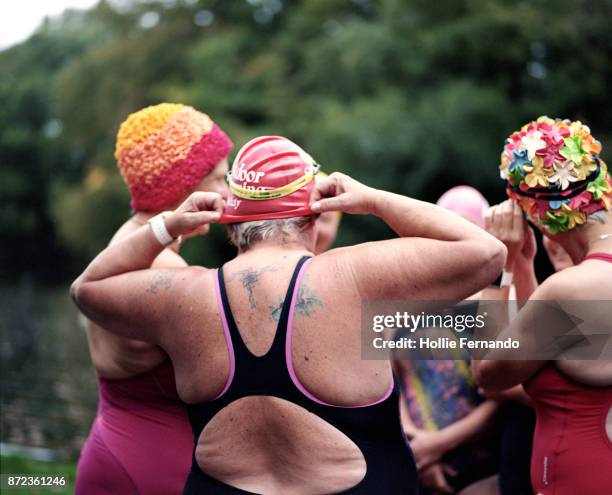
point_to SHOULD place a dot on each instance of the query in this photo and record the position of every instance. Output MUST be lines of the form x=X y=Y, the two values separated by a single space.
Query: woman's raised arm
x=121 y=293
x=438 y=255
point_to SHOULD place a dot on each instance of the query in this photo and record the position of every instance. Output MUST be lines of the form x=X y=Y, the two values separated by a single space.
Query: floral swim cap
x=554 y=171
x=164 y=151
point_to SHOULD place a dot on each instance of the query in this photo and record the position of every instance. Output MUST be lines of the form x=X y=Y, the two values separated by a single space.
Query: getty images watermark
x=538 y=330
x=410 y=323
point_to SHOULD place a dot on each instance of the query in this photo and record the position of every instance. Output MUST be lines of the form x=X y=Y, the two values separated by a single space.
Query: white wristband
x=507 y=278
x=158 y=226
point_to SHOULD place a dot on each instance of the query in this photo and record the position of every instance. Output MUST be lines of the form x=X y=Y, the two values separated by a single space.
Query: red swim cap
x=271 y=178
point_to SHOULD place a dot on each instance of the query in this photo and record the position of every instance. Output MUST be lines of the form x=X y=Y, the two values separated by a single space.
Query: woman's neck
x=586 y=240
x=276 y=246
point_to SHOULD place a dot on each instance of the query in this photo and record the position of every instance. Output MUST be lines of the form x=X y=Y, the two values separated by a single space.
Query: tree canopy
x=413 y=96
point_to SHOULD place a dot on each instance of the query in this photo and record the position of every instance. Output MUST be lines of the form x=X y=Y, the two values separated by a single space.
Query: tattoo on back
x=249 y=279
x=305 y=302
x=277 y=310
x=162 y=279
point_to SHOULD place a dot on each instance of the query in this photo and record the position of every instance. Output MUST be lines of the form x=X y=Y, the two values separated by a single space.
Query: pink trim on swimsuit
x=228 y=337
x=599 y=256
x=289 y=358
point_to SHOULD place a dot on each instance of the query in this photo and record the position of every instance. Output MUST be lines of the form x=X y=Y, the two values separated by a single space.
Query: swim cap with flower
x=553 y=169
x=164 y=151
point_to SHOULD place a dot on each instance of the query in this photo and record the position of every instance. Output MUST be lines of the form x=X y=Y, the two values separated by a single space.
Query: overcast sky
x=19 y=18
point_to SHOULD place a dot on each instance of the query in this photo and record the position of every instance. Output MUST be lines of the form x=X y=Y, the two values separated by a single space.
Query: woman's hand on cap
x=339 y=192
x=194 y=214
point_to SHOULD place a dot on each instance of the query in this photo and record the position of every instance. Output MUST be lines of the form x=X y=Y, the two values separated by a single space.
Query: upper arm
x=531 y=328
x=137 y=304
x=420 y=268
x=504 y=374
x=169 y=259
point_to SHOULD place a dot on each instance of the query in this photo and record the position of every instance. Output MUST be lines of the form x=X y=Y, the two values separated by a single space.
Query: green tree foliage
x=413 y=96
x=32 y=157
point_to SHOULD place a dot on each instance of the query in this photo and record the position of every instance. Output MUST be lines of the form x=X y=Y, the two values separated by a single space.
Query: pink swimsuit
x=141 y=441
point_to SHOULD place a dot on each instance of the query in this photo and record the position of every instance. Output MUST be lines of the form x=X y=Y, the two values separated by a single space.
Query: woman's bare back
x=298 y=451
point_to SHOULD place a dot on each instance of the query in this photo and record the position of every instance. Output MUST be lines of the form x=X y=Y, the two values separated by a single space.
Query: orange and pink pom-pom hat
x=164 y=151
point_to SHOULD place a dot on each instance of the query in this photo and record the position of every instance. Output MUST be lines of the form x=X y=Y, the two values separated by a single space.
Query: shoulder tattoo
x=306 y=302
x=161 y=280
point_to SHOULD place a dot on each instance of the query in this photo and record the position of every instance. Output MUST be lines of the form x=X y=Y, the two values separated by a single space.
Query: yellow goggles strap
x=279 y=192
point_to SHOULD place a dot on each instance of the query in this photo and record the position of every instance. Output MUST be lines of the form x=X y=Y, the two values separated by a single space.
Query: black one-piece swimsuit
x=374 y=428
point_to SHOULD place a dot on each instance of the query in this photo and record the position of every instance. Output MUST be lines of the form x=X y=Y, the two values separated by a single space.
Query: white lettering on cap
x=247 y=175
x=233 y=202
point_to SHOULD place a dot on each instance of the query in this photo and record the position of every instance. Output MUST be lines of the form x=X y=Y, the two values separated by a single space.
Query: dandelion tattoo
x=249 y=279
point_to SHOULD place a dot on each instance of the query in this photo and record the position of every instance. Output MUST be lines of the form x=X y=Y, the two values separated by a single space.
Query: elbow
x=77 y=291
x=477 y=372
x=490 y=375
x=493 y=253
x=84 y=297
x=74 y=290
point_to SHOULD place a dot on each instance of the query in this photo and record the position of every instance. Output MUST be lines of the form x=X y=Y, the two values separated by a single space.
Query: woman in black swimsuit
x=267 y=349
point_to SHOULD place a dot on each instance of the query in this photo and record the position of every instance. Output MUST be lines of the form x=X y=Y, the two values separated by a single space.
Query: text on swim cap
x=247 y=175
x=261 y=193
x=233 y=202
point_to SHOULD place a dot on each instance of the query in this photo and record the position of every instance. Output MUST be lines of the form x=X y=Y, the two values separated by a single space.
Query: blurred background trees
x=414 y=96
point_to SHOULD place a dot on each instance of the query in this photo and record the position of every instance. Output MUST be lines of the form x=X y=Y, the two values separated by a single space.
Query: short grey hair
x=601 y=216
x=245 y=234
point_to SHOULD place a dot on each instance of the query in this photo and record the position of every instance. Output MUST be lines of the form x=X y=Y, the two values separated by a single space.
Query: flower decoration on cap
x=553 y=169
x=164 y=151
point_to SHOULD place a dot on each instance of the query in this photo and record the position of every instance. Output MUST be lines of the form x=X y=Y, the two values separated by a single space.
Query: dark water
x=47 y=383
